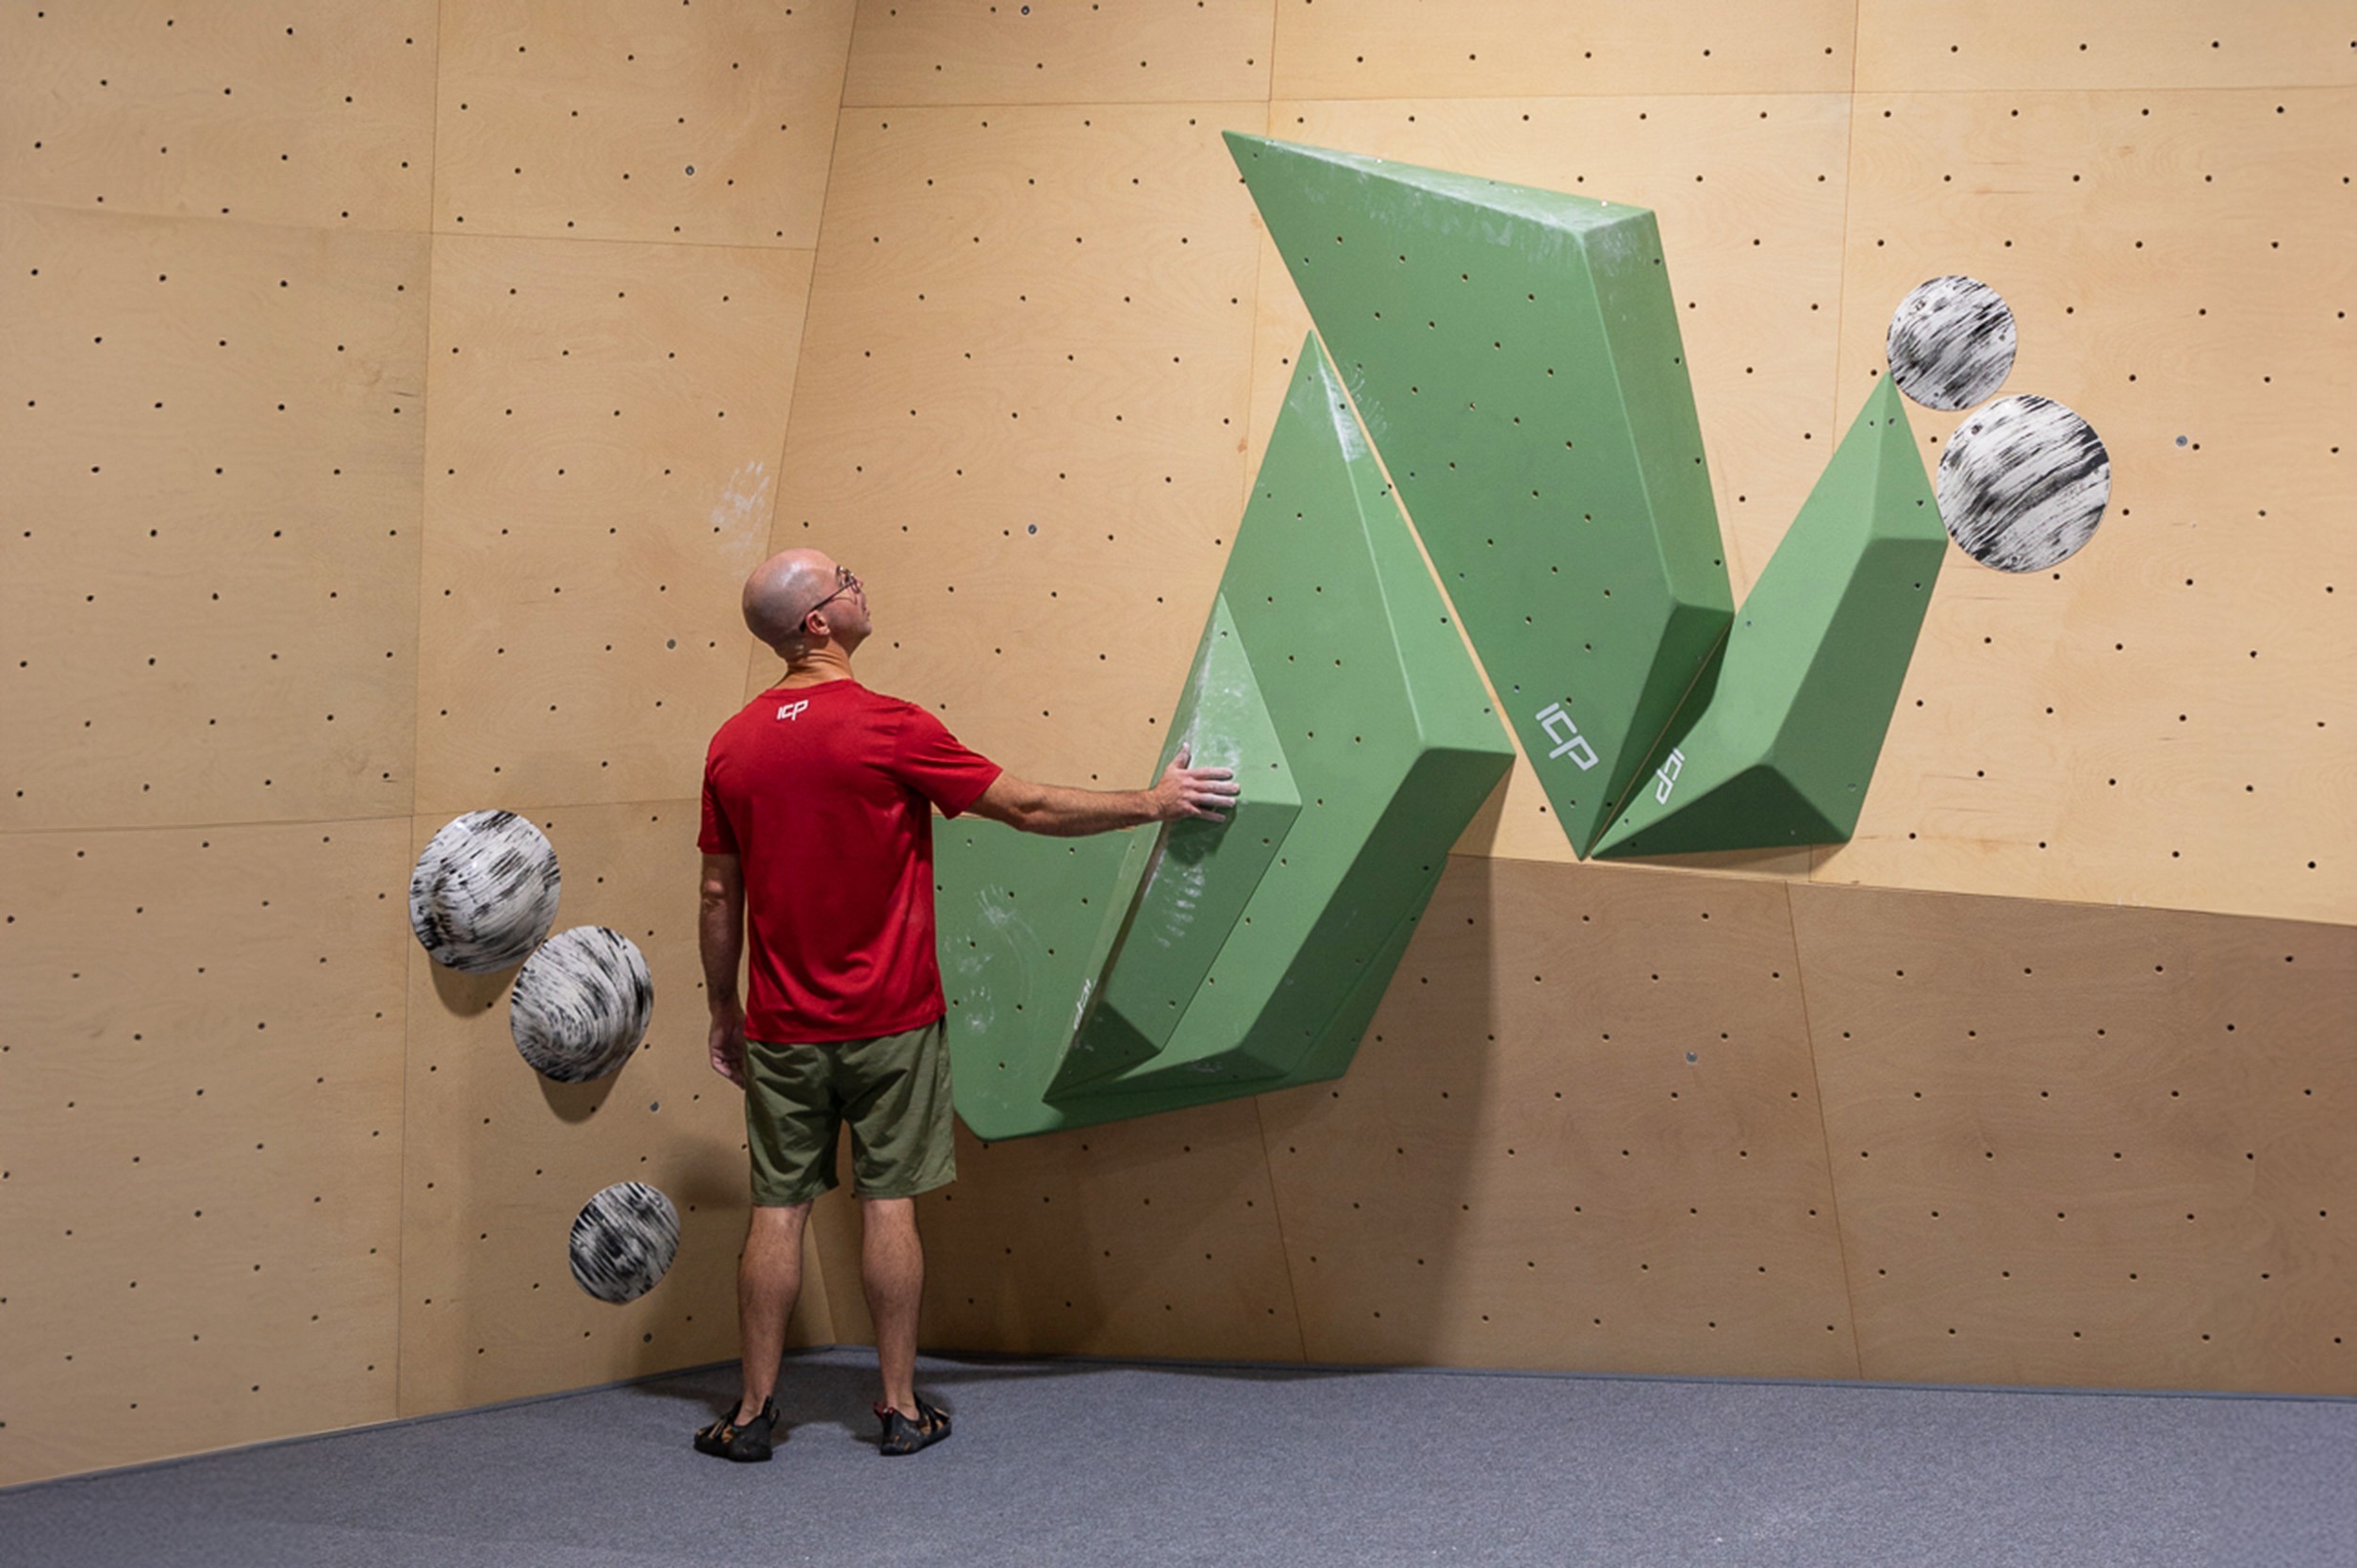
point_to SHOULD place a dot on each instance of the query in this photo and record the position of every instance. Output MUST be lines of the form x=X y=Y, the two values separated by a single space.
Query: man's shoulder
x=882 y=702
x=739 y=727
x=740 y=719
x=850 y=697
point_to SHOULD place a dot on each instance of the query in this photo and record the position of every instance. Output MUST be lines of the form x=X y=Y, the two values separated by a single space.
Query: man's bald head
x=778 y=594
x=784 y=589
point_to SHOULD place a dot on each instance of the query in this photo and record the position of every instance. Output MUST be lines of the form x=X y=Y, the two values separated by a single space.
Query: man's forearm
x=721 y=934
x=1061 y=812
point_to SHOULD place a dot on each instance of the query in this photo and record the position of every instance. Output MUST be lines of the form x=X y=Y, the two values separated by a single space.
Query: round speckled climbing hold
x=623 y=1242
x=1951 y=342
x=2022 y=484
x=484 y=893
x=581 y=1004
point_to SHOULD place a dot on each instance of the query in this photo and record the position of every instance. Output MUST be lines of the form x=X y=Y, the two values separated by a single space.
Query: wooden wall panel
x=2089 y=1147
x=1583 y=1132
x=605 y=433
x=1058 y=52
x=1157 y=1237
x=500 y=1160
x=268 y=111
x=2166 y=718
x=639 y=118
x=1529 y=48
x=1021 y=414
x=1930 y=46
x=1030 y=417
x=1749 y=195
x=199 y=1185
x=208 y=551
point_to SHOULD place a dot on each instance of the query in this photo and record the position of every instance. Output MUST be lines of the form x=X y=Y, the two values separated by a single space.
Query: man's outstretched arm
x=1181 y=792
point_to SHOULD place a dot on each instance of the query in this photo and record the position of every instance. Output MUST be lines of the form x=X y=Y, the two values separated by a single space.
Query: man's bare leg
x=891 y=1268
x=768 y=1277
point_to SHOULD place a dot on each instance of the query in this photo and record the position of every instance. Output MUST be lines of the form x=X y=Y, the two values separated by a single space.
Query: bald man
x=817 y=819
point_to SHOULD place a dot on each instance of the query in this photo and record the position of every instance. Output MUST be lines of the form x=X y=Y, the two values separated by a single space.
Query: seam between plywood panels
x=417 y=750
x=1825 y=1136
x=757 y=655
x=1849 y=186
x=1276 y=1208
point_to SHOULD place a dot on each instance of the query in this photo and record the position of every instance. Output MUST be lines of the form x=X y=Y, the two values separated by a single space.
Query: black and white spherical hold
x=623 y=1242
x=484 y=891
x=1951 y=342
x=581 y=1004
x=2022 y=484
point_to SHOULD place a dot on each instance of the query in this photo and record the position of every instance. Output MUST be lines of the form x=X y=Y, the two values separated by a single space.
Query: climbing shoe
x=748 y=1444
x=901 y=1435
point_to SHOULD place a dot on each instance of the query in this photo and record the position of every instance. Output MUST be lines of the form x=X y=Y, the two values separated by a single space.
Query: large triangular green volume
x=1515 y=356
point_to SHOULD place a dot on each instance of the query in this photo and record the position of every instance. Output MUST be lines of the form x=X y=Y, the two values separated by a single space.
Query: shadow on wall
x=1172 y=1235
x=1583 y=1133
x=463 y=996
x=466 y=996
x=1377 y=1175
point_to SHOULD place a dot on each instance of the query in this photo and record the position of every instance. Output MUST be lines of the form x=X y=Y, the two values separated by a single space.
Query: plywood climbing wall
x=212 y=342
x=2078 y=1146
x=2158 y=720
x=301 y=306
x=1584 y=1132
x=599 y=477
x=213 y=532
x=1021 y=414
x=200 y=1216
x=972 y=298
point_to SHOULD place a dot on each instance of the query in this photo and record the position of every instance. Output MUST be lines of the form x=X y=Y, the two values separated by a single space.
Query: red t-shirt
x=826 y=792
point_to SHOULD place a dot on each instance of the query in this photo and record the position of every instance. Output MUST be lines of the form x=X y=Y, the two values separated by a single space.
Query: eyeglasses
x=847 y=580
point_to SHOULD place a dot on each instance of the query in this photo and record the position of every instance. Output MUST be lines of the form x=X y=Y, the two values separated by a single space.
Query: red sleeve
x=717 y=837
x=928 y=758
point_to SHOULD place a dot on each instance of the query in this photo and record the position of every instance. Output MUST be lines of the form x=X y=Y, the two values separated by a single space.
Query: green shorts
x=893 y=1090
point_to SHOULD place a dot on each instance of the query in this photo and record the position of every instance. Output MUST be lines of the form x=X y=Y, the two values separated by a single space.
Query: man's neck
x=816 y=668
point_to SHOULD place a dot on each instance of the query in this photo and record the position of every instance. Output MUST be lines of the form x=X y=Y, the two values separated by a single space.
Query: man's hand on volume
x=728 y=1045
x=1208 y=793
